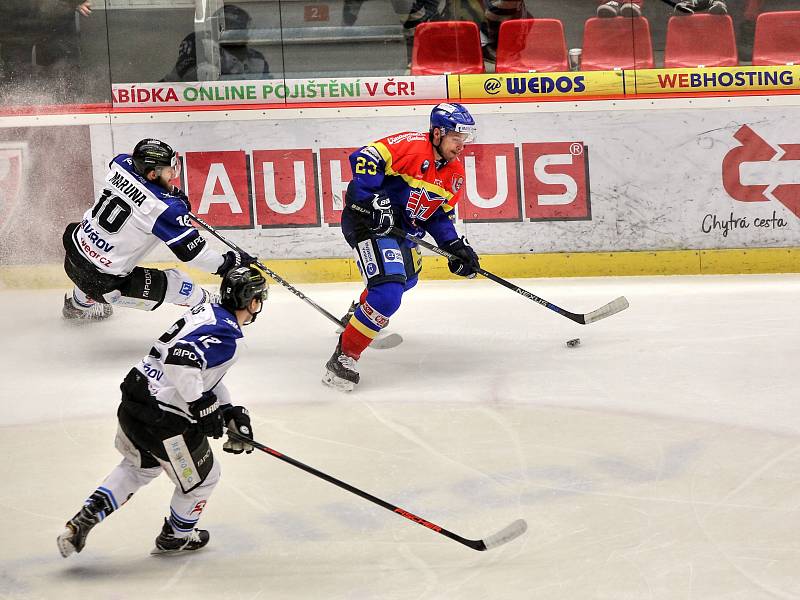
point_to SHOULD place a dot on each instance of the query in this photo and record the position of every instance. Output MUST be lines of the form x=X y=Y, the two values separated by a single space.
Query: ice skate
x=73 y=539
x=340 y=370
x=608 y=9
x=168 y=543
x=94 y=312
x=717 y=7
x=630 y=10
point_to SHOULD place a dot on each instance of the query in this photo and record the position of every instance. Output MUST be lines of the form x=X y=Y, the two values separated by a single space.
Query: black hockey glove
x=382 y=215
x=181 y=195
x=208 y=415
x=238 y=420
x=233 y=259
x=466 y=263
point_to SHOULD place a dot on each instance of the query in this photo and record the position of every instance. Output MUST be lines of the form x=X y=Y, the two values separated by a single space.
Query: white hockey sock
x=181 y=290
x=79 y=299
x=121 y=483
x=185 y=509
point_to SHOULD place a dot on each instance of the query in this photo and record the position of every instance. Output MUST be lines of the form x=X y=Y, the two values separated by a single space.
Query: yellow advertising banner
x=697 y=81
x=575 y=85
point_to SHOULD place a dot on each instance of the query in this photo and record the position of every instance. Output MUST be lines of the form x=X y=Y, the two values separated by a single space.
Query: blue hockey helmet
x=454 y=117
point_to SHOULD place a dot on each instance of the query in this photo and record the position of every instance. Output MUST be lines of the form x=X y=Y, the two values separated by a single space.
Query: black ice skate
x=95 y=312
x=73 y=539
x=168 y=543
x=340 y=370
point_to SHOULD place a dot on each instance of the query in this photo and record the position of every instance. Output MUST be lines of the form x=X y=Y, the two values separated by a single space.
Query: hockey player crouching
x=411 y=181
x=172 y=401
x=137 y=208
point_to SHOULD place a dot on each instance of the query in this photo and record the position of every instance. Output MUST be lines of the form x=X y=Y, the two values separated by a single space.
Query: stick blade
x=385 y=342
x=507 y=534
x=607 y=310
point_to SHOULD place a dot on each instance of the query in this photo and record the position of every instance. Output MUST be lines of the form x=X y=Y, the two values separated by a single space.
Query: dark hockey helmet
x=152 y=154
x=451 y=116
x=240 y=286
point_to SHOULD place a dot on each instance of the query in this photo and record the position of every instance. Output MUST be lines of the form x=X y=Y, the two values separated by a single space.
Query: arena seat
x=617 y=43
x=446 y=47
x=700 y=40
x=531 y=45
x=777 y=38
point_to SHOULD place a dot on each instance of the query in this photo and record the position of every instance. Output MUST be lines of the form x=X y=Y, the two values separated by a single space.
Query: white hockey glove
x=238 y=420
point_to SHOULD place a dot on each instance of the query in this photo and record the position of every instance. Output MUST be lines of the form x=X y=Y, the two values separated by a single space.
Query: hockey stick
x=266 y=270
x=389 y=340
x=604 y=311
x=508 y=533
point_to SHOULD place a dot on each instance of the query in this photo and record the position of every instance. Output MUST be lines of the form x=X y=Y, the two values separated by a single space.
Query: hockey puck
x=573 y=343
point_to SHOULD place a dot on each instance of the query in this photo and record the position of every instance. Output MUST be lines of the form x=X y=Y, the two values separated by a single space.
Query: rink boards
x=672 y=186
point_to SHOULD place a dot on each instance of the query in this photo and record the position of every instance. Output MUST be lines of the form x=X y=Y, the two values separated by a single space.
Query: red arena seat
x=700 y=40
x=446 y=47
x=531 y=45
x=617 y=43
x=777 y=40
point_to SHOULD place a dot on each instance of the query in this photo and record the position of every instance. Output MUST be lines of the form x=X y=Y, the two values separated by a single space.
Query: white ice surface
x=658 y=460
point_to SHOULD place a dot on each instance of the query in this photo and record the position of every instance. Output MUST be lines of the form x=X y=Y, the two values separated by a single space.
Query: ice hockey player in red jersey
x=173 y=400
x=138 y=208
x=411 y=181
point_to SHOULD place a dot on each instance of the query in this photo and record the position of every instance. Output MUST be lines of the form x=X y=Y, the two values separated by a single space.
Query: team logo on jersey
x=198 y=508
x=420 y=205
x=186 y=289
x=425 y=164
x=12 y=179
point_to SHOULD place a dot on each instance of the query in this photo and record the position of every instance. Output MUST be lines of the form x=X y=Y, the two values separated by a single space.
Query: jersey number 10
x=111 y=212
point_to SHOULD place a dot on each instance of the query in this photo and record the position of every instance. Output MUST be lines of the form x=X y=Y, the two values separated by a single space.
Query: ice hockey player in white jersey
x=172 y=401
x=138 y=208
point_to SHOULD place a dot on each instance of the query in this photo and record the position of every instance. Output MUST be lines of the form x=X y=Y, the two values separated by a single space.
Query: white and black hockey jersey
x=131 y=217
x=191 y=358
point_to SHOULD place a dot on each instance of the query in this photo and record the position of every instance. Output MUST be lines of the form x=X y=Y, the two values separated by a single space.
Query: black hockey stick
x=266 y=270
x=604 y=311
x=390 y=340
x=511 y=532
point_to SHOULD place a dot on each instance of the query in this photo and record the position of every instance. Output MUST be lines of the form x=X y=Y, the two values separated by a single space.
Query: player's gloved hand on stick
x=382 y=215
x=206 y=412
x=466 y=263
x=238 y=420
x=233 y=259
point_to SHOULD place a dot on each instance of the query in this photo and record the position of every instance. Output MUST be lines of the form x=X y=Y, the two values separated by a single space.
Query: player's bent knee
x=385 y=298
x=143 y=289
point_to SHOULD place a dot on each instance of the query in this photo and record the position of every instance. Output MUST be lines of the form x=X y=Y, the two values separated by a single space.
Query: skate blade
x=156 y=551
x=337 y=383
x=65 y=547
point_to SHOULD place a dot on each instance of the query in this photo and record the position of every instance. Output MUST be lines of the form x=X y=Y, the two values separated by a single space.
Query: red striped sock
x=354 y=342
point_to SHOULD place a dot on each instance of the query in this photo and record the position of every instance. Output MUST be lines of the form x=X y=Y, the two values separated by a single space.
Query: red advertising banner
x=218 y=188
x=285 y=188
x=492 y=192
x=556 y=180
x=334 y=167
